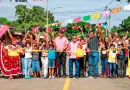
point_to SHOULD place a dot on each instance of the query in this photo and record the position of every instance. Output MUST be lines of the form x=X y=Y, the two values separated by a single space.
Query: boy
x=35 y=62
x=121 y=63
x=51 y=61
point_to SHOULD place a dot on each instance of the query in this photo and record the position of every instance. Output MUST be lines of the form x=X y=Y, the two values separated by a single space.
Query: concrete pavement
x=58 y=84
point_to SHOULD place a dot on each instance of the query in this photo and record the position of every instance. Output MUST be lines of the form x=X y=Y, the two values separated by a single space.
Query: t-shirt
x=121 y=55
x=103 y=53
x=51 y=54
x=112 y=56
x=28 y=54
x=84 y=46
x=93 y=43
x=35 y=56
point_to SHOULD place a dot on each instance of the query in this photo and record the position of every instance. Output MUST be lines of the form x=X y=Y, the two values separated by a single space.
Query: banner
x=116 y=10
x=86 y=18
x=106 y=13
x=3 y=29
x=77 y=19
x=96 y=16
x=35 y=29
x=127 y=7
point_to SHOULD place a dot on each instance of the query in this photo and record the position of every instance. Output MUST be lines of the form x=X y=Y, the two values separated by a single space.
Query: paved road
x=58 y=84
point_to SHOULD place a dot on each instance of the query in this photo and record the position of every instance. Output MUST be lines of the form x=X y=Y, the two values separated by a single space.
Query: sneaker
x=28 y=77
x=64 y=76
x=86 y=74
x=34 y=77
x=49 y=77
x=45 y=77
x=58 y=76
x=53 y=76
x=90 y=77
x=77 y=77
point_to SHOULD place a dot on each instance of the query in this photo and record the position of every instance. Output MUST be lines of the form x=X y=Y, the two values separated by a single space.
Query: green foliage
x=71 y=31
x=122 y=28
x=30 y=17
x=4 y=21
x=122 y=0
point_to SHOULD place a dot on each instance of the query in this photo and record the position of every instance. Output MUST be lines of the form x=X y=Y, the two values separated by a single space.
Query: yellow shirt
x=112 y=56
x=14 y=51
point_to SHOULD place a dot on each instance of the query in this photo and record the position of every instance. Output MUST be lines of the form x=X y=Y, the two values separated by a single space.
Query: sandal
x=11 y=77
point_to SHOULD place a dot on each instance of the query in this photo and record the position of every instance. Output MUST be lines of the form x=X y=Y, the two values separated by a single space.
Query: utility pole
x=106 y=23
x=109 y=21
x=47 y=14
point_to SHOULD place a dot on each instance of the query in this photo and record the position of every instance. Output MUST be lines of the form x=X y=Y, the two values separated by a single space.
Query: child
x=121 y=61
x=28 y=59
x=112 y=59
x=104 y=59
x=44 y=59
x=35 y=62
x=83 y=61
x=51 y=61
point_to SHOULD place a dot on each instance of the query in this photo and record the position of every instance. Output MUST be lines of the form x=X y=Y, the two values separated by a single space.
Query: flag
x=104 y=24
x=116 y=10
x=63 y=28
x=88 y=26
x=86 y=18
x=106 y=13
x=99 y=24
x=37 y=0
x=35 y=29
x=127 y=7
x=76 y=27
x=95 y=15
x=3 y=29
x=69 y=21
x=49 y=29
x=77 y=19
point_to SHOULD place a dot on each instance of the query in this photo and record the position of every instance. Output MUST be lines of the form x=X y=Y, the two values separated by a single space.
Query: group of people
x=46 y=57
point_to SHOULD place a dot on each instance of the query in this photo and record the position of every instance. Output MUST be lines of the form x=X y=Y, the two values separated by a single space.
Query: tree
x=122 y=28
x=126 y=0
x=30 y=17
x=4 y=21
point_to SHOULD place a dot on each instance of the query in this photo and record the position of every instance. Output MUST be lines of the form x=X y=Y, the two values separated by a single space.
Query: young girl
x=104 y=59
x=51 y=61
x=44 y=59
x=28 y=59
x=35 y=62
x=112 y=59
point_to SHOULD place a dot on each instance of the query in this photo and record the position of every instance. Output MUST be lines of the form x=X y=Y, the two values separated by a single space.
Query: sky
x=71 y=9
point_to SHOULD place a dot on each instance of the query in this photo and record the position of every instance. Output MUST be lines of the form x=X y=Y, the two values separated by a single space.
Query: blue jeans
x=93 y=63
x=23 y=66
x=27 y=63
x=112 y=66
x=104 y=66
x=71 y=67
x=35 y=66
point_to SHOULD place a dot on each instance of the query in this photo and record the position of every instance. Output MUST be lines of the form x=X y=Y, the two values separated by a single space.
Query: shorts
x=35 y=66
x=51 y=63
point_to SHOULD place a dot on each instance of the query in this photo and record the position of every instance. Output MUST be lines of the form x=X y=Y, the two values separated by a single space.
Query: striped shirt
x=93 y=43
